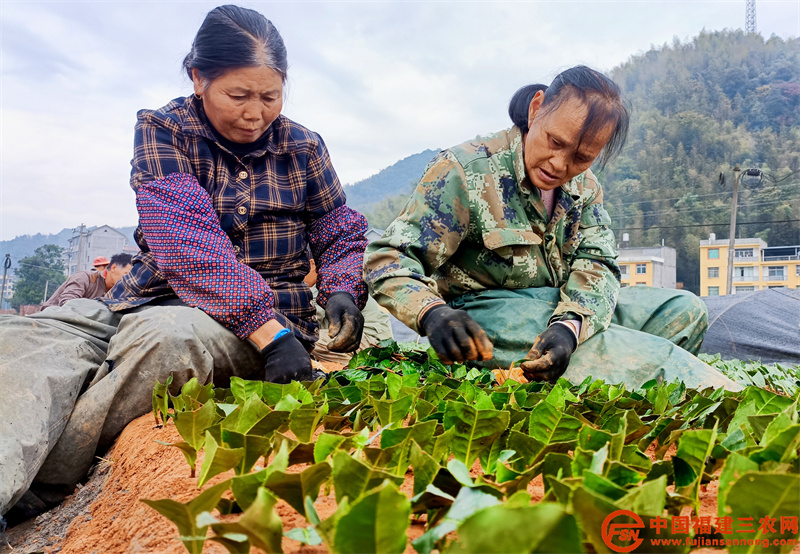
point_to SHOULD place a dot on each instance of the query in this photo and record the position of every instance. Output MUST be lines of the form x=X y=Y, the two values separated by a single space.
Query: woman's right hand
x=286 y=360
x=454 y=335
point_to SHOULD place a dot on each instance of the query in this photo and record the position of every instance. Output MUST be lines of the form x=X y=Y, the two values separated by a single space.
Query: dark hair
x=599 y=93
x=232 y=37
x=120 y=260
x=520 y=104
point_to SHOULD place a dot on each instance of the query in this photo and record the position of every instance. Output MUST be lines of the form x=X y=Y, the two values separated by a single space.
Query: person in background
x=100 y=263
x=504 y=252
x=377 y=327
x=231 y=195
x=92 y=284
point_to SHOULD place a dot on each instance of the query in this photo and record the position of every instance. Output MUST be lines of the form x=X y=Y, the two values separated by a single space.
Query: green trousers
x=654 y=334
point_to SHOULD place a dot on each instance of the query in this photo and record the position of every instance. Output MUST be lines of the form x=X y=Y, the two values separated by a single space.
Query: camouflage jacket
x=475 y=222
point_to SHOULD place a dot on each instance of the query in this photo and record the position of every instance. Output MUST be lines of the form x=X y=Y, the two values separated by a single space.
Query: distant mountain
x=397 y=179
x=24 y=245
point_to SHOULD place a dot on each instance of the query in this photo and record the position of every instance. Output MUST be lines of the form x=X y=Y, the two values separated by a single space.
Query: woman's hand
x=286 y=360
x=550 y=354
x=346 y=322
x=454 y=335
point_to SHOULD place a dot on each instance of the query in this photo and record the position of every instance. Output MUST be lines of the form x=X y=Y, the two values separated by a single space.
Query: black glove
x=550 y=354
x=454 y=335
x=286 y=360
x=346 y=322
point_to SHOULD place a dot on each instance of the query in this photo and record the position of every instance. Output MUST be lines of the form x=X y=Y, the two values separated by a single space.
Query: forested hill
x=699 y=108
x=378 y=195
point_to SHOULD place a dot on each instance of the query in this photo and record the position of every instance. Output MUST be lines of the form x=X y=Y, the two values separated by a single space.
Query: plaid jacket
x=229 y=234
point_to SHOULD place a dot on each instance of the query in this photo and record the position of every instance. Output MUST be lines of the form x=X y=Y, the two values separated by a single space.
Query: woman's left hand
x=346 y=322
x=550 y=354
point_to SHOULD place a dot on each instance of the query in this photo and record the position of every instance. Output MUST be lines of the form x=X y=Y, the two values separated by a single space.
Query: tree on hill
x=399 y=178
x=698 y=109
x=44 y=268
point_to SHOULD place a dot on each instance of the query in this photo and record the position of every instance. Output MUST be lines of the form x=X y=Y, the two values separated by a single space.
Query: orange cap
x=100 y=260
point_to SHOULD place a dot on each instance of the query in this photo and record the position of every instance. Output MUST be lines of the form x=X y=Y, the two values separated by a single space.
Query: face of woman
x=242 y=103
x=552 y=153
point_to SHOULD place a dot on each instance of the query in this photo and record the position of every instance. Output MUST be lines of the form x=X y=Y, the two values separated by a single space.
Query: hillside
x=699 y=108
x=396 y=180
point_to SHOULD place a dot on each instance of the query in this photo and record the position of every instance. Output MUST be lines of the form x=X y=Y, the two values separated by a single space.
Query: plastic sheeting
x=757 y=325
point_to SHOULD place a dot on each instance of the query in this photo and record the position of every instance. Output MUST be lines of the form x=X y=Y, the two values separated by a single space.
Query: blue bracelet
x=280 y=333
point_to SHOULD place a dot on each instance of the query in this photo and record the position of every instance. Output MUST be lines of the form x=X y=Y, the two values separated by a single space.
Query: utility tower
x=750 y=17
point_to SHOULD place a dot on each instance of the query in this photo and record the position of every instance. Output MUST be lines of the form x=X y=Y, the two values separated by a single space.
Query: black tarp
x=756 y=325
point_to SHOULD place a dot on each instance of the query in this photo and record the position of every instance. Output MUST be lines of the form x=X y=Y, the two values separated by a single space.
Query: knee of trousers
x=161 y=341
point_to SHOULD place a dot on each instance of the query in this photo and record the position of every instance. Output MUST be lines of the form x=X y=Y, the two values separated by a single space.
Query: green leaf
x=304 y=421
x=601 y=485
x=466 y=503
x=192 y=425
x=295 y=488
x=260 y=523
x=287 y=403
x=524 y=529
x=475 y=430
x=392 y=411
x=242 y=390
x=760 y=496
x=161 y=400
x=394 y=383
x=526 y=447
x=327 y=444
x=648 y=498
x=184 y=516
x=782 y=448
x=757 y=401
x=253 y=447
x=690 y=459
x=305 y=535
x=270 y=423
x=376 y=523
x=425 y=468
x=735 y=467
x=421 y=433
x=253 y=411
x=193 y=390
x=548 y=424
x=218 y=459
x=352 y=477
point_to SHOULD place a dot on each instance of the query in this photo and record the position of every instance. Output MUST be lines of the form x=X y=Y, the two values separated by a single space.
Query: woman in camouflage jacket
x=504 y=252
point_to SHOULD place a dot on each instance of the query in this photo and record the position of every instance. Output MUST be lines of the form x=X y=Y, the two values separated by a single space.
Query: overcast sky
x=378 y=80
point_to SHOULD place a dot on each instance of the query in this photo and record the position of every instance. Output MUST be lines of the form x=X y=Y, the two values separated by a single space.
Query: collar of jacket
x=196 y=123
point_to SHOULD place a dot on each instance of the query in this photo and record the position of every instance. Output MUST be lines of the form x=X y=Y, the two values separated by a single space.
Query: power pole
x=750 y=17
x=731 y=242
x=6 y=265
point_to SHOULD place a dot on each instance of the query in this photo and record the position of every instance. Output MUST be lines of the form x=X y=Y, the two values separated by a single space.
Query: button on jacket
x=229 y=233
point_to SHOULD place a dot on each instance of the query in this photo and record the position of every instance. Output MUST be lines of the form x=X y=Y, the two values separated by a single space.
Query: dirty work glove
x=550 y=354
x=346 y=322
x=454 y=335
x=286 y=360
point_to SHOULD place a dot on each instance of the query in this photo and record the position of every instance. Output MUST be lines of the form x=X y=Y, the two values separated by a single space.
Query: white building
x=88 y=243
